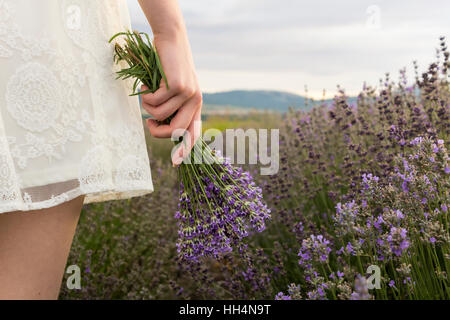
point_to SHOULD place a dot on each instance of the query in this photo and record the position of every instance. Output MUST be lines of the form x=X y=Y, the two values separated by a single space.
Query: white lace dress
x=67 y=127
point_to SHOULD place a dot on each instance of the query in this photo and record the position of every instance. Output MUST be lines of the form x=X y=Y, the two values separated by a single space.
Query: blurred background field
x=160 y=149
x=363 y=181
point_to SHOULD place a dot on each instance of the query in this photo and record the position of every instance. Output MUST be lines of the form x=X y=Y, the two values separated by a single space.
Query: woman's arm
x=184 y=93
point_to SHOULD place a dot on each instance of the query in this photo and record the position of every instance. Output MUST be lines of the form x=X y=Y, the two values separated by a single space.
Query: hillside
x=255 y=99
x=244 y=101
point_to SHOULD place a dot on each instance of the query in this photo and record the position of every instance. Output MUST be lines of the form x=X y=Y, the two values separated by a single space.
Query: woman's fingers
x=181 y=120
x=158 y=130
x=159 y=96
x=166 y=109
x=163 y=94
x=163 y=103
x=194 y=131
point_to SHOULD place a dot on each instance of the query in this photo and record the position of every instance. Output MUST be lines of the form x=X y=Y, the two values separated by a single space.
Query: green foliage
x=144 y=65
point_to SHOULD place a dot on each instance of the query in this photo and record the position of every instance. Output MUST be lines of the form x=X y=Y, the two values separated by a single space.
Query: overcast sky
x=287 y=44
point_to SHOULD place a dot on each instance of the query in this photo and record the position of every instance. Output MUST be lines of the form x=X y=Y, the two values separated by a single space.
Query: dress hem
x=90 y=197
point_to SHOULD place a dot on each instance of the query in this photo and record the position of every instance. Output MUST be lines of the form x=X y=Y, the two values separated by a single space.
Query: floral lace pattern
x=40 y=108
x=63 y=116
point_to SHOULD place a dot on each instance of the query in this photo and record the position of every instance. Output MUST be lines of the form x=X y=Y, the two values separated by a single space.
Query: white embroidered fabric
x=67 y=127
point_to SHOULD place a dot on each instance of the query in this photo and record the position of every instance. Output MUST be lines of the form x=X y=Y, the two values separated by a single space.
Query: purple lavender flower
x=378 y=222
x=399 y=214
x=219 y=205
x=314 y=249
x=282 y=296
x=319 y=293
x=361 y=291
x=350 y=249
x=398 y=241
x=369 y=179
x=435 y=148
x=416 y=141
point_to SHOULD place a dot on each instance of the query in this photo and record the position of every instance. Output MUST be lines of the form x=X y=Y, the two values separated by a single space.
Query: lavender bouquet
x=219 y=204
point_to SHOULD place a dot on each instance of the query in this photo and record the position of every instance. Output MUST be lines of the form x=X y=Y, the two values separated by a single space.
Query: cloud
x=319 y=43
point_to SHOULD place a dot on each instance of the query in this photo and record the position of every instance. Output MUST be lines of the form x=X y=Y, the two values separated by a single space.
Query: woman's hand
x=184 y=96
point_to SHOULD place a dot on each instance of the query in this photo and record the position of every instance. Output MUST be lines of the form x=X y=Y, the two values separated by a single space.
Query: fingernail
x=177 y=162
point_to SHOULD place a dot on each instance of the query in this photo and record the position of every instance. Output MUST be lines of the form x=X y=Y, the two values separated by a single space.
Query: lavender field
x=359 y=185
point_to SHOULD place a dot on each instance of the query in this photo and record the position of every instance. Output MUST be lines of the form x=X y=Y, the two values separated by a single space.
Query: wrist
x=172 y=33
